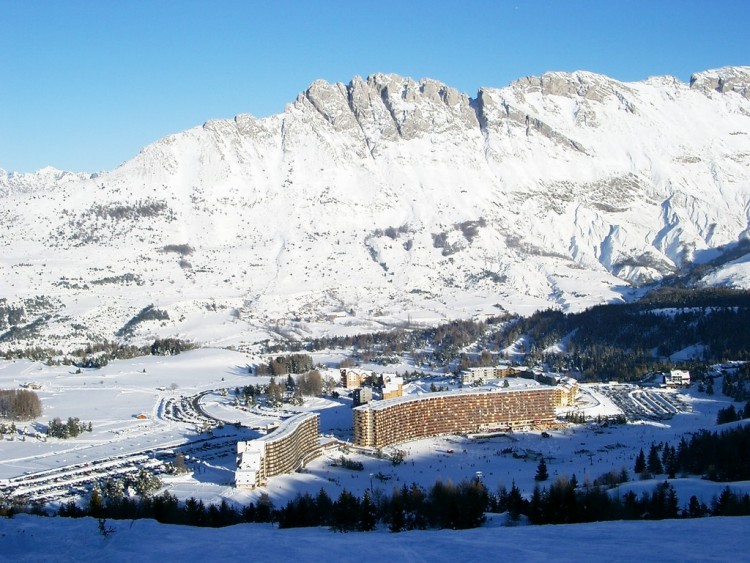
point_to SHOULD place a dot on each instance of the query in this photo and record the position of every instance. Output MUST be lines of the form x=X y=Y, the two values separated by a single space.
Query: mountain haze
x=384 y=201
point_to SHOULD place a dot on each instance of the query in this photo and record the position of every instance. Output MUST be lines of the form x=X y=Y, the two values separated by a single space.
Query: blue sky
x=87 y=84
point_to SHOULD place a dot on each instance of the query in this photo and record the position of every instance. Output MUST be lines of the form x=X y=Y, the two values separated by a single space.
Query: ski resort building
x=352 y=379
x=285 y=450
x=361 y=396
x=383 y=423
x=677 y=378
x=479 y=375
x=392 y=385
x=566 y=391
x=566 y=388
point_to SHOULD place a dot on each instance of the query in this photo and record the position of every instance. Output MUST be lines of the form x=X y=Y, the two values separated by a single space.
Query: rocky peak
x=389 y=106
x=42 y=178
x=723 y=80
x=579 y=84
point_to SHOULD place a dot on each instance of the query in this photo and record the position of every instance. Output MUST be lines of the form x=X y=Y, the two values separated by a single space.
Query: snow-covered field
x=40 y=540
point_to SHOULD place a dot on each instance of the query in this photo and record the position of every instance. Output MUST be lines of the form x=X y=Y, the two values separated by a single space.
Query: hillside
x=383 y=202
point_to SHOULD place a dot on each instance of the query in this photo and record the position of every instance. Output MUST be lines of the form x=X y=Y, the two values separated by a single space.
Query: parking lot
x=643 y=403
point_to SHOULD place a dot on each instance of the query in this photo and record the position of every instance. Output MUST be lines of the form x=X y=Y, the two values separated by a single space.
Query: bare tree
x=19 y=404
x=310 y=383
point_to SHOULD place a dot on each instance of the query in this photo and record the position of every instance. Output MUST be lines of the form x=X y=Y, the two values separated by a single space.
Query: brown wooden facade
x=398 y=420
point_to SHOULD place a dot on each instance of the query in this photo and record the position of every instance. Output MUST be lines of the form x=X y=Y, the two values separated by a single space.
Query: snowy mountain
x=381 y=202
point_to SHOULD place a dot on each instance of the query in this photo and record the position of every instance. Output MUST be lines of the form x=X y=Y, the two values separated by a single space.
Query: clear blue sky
x=86 y=84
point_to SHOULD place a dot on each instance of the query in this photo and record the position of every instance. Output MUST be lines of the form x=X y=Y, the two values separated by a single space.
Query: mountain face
x=381 y=202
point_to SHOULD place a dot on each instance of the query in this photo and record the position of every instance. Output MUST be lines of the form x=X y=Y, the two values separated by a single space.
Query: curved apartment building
x=383 y=423
x=285 y=450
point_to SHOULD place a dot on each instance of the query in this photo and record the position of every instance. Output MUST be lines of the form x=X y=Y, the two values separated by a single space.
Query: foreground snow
x=28 y=538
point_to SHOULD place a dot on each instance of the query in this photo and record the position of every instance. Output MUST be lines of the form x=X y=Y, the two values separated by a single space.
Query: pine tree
x=515 y=502
x=324 y=506
x=264 y=508
x=640 y=463
x=695 y=509
x=536 y=507
x=541 y=471
x=346 y=512
x=397 y=521
x=194 y=512
x=367 y=517
x=654 y=465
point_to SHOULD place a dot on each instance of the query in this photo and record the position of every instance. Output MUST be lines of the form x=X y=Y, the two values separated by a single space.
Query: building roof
x=380 y=405
x=287 y=426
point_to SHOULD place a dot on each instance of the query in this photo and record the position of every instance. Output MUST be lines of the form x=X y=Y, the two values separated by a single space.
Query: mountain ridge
x=384 y=200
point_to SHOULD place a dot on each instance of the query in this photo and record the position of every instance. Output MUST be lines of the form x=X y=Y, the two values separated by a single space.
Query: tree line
x=99 y=354
x=56 y=428
x=282 y=365
x=617 y=341
x=737 y=385
x=564 y=503
x=445 y=505
x=718 y=456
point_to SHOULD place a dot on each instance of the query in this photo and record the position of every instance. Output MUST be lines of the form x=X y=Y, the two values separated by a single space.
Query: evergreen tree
x=695 y=509
x=195 y=512
x=367 y=516
x=541 y=471
x=324 y=506
x=640 y=463
x=346 y=512
x=264 y=508
x=515 y=502
x=249 y=513
x=396 y=521
x=536 y=507
x=654 y=463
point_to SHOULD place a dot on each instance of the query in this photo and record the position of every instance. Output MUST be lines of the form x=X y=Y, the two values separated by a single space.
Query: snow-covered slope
x=34 y=539
x=381 y=202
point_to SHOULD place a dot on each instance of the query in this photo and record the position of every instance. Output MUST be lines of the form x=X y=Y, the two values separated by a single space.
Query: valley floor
x=164 y=391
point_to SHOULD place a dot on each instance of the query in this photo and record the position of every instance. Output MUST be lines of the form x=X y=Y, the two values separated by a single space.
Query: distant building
x=393 y=385
x=566 y=388
x=352 y=379
x=362 y=396
x=566 y=391
x=473 y=376
x=285 y=450
x=677 y=378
